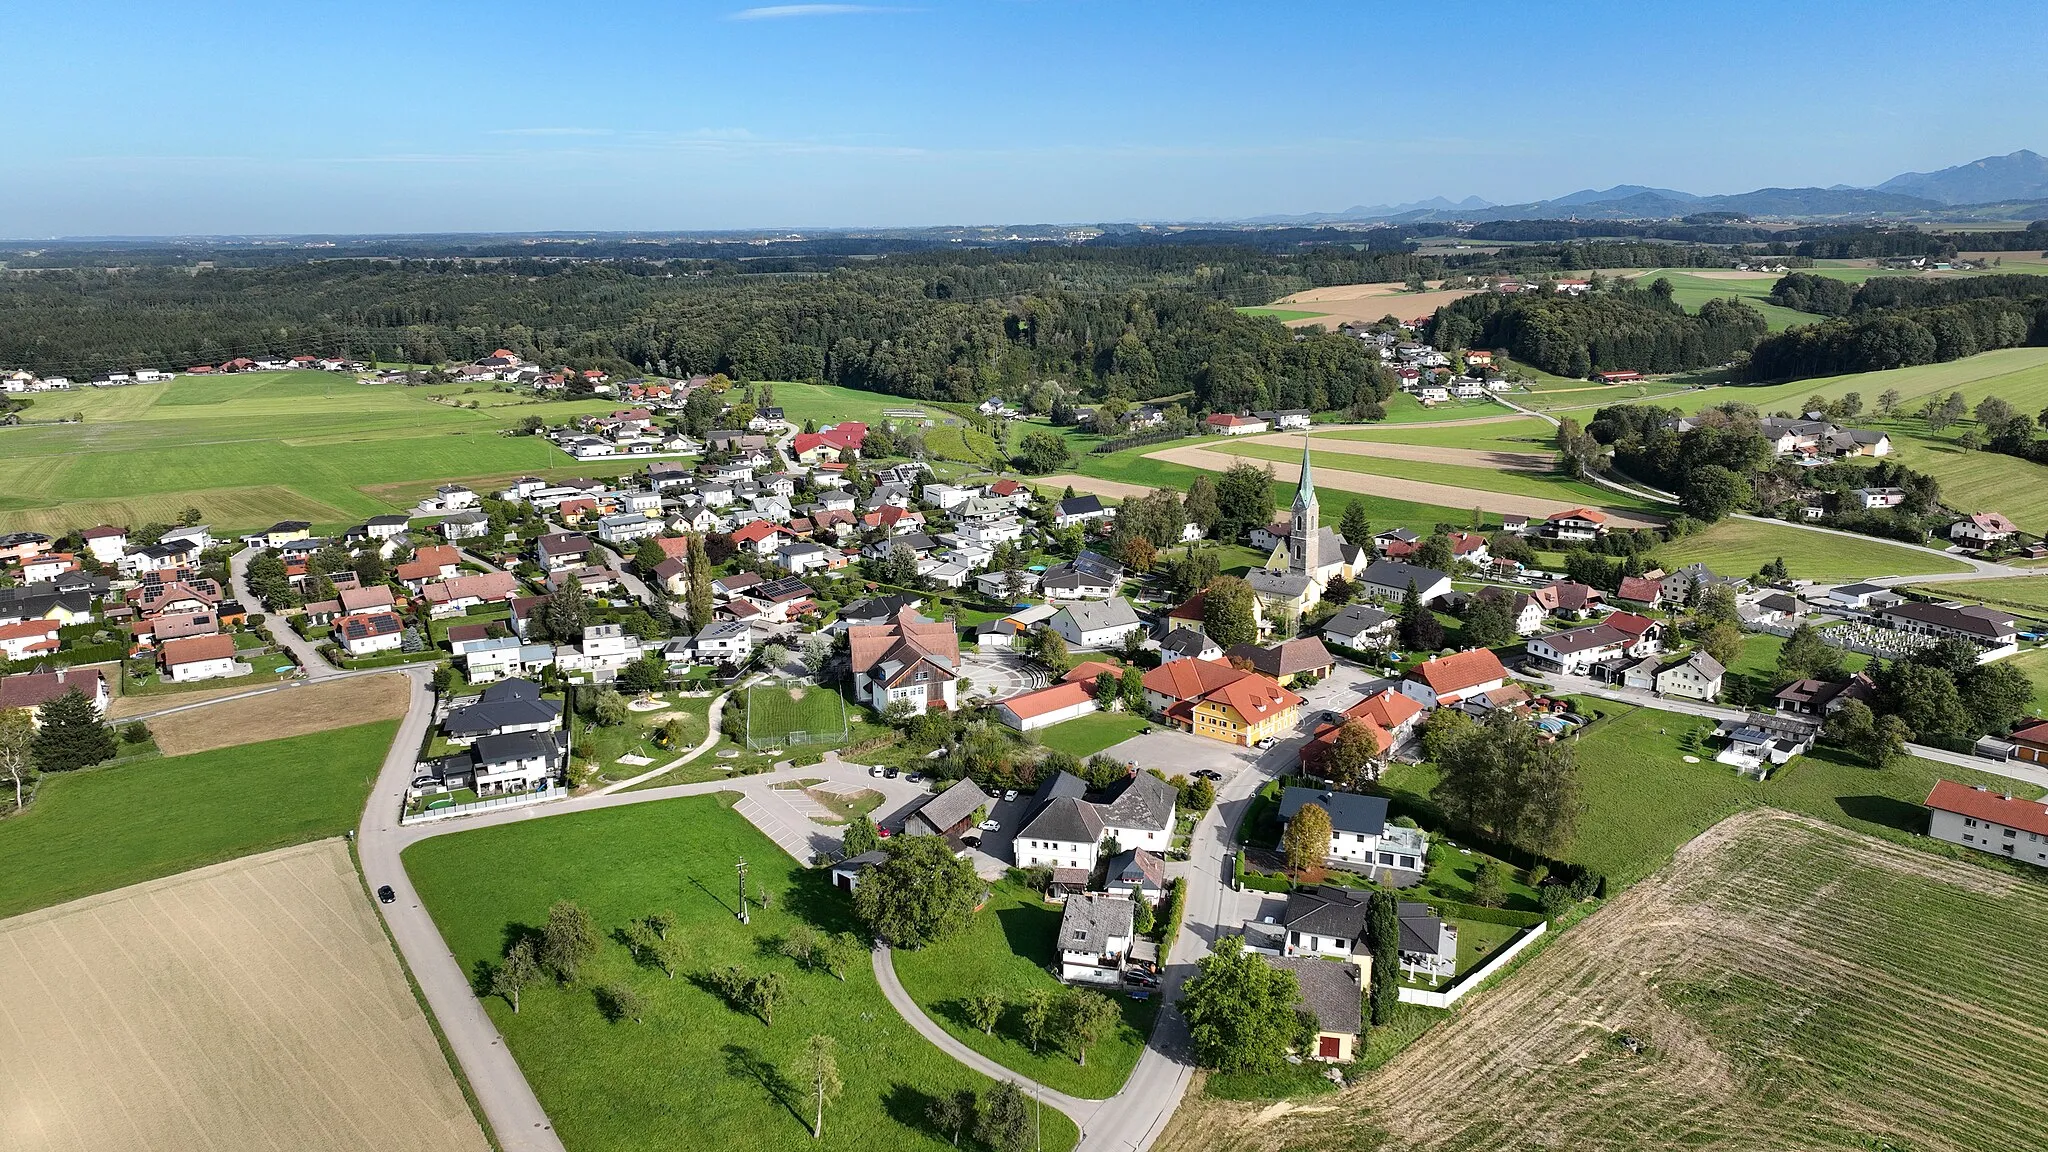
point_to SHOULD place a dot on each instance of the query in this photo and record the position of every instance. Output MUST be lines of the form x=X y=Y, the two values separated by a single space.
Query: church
x=1312 y=555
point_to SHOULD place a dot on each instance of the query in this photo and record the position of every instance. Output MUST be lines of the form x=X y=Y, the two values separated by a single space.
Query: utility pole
x=742 y=868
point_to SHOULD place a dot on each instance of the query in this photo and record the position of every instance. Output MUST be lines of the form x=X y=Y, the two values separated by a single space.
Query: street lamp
x=741 y=866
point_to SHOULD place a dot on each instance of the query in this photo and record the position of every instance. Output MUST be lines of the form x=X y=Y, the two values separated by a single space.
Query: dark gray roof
x=1091 y=919
x=862 y=862
x=1184 y=641
x=1355 y=619
x=1329 y=989
x=1066 y=819
x=513 y=746
x=1327 y=911
x=1145 y=802
x=879 y=609
x=1080 y=505
x=942 y=812
x=1394 y=574
x=1421 y=927
x=506 y=704
x=1349 y=812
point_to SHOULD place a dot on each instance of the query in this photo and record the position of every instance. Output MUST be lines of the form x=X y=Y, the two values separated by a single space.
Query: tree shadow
x=911 y=1107
x=745 y=1063
x=811 y=897
x=730 y=908
x=1885 y=810
x=1030 y=931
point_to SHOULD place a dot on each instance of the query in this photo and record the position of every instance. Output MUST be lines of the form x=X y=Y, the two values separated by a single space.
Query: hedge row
x=1176 y=909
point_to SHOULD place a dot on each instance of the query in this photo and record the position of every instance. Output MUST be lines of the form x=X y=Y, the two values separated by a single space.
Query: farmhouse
x=1575 y=524
x=32 y=690
x=1994 y=822
x=1983 y=528
x=949 y=813
x=1286 y=661
x=1226 y=424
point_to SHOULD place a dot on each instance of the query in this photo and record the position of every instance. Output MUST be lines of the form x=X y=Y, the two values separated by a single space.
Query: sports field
x=775 y=712
x=249 y=450
x=102 y=828
x=251 y=1005
x=698 y=1073
x=1782 y=984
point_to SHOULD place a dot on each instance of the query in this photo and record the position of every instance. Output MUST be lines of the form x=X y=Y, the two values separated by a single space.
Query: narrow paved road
x=303 y=652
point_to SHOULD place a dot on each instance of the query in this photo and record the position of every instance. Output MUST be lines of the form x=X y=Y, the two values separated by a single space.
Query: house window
x=2010 y=833
x=1968 y=822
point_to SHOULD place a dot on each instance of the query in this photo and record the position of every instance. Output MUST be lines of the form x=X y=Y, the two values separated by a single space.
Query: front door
x=1329 y=1047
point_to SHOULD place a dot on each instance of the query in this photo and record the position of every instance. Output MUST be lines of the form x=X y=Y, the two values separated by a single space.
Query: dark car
x=891 y=773
x=386 y=895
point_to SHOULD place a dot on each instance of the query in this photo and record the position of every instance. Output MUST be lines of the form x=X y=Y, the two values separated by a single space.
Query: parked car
x=386 y=895
x=882 y=833
x=874 y=771
x=423 y=781
x=991 y=825
x=1208 y=774
x=1010 y=795
x=1268 y=742
x=892 y=773
x=914 y=778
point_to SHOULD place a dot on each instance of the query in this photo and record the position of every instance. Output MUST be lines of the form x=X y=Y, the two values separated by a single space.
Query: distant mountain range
x=2019 y=180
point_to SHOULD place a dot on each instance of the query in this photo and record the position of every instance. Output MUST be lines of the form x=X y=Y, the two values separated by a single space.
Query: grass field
x=2028 y=594
x=1401 y=408
x=1084 y=736
x=248 y=450
x=1974 y=481
x=1693 y=291
x=1740 y=547
x=1790 y=986
x=103 y=828
x=697 y=1073
x=2020 y=375
x=2035 y=665
x=1007 y=950
x=1527 y=434
x=256 y=1004
x=1282 y=314
x=1562 y=489
x=775 y=712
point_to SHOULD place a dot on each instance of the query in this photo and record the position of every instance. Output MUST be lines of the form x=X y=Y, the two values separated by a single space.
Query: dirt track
x=251 y=1005
x=276 y=715
x=1394 y=487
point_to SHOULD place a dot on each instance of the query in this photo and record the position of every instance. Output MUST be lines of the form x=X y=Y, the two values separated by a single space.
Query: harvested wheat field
x=1366 y=303
x=286 y=712
x=1544 y=462
x=250 y=1005
x=1781 y=984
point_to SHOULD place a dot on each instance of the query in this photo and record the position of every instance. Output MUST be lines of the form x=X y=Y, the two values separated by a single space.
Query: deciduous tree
x=817 y=1069
x=567 y=941
x=1307 y=840
x=1229 y=612
x=1085 y=1015
x=519 y=969
x=1240 y=1010
x=17 y=751
x=920 y=894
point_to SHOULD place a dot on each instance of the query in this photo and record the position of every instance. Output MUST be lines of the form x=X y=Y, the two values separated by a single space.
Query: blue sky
x=255 y=116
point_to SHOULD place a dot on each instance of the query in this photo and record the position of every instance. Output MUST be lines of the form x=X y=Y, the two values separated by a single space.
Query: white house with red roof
x=1981 y=528
x=105 y=542
x=1575 y=524
x=28 y=638
x=1229 y=424
x=1995 y=822
x=1449 y=679
x=199 y=658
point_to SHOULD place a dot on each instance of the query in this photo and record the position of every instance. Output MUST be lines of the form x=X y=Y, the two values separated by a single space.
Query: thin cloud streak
x=798 y=11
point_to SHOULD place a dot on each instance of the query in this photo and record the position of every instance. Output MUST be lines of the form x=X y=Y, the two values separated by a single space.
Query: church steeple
x=1303 y=545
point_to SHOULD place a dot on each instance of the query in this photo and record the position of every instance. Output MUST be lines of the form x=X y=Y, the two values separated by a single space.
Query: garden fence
x=1474 y=978
x=548 y=792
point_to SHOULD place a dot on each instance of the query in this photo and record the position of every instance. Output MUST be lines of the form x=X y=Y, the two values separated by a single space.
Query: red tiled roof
x=193 y=649
x=1387 y=709
x=1050 y=699
x=1640 y=589
x=2036 y=733
x=1191 y=679
x=1459 y=671
x=2026 y=815
x=1087 y=670
x=756 y=532
x=1586 y=514
x=1629 y=622
x=1252 y=696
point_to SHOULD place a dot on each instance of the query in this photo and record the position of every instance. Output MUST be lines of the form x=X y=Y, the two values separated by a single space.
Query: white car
x=1010 y=795
x=991 y=825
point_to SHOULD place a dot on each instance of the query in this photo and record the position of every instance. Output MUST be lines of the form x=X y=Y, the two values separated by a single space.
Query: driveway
x=314 y=665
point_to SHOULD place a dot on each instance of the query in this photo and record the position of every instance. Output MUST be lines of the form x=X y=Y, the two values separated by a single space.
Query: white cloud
x=794 y=11
x=551 y=132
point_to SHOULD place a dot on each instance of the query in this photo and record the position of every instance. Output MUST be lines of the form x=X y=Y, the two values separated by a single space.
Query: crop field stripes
x=1781 y=984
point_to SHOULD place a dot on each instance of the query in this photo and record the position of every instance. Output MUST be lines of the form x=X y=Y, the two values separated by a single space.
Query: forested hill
x=1620 y=328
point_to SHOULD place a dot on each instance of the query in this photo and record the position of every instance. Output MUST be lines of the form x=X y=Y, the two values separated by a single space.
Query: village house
x=1995 y=822
x=911 y=659
x=1227 y=424
x=1096 y=623
x=1575 y=525
x=369 y=633
x=1286 y=661
x=1697 y=677
x=1983 y=528
x=1389 y=580
x=1333 y=996
x=1446 y=680
x=199 y=658
x=32 y=690
x=1361 y=839
x=1095 y=938
x=1361 y=626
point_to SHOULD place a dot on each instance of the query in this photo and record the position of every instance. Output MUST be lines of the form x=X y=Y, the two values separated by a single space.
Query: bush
x=135 y=732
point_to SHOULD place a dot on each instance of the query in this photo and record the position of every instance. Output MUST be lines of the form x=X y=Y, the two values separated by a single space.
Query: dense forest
x=1897 y=321
x=1643 y=329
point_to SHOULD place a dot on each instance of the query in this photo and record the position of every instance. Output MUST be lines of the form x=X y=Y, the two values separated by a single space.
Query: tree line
x=1628 y=327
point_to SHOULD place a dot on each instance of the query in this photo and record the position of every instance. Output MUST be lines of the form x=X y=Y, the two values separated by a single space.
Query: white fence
x=551 y=792
x=1456 y=992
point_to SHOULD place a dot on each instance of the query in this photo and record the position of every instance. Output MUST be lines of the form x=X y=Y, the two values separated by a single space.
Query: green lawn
x=774 y=712
x=1741 y=547
x=250 y=449
x=1405 y=409
x=1693 y=291
x=604 y=746
x=1974 y=481
x=1084 y=736
x=1643 y=801
x=2020 y=375
x=1007 y=951
x=104 y=828
x=697 y=1073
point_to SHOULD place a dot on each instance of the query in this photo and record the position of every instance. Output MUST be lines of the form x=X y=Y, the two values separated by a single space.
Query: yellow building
x=1245 y=711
